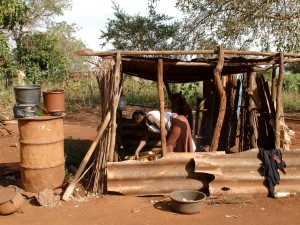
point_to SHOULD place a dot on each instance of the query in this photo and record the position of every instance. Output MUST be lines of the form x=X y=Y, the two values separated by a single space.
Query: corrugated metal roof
x=179 y=71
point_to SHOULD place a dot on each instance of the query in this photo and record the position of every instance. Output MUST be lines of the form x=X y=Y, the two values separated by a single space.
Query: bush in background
x=82 y=92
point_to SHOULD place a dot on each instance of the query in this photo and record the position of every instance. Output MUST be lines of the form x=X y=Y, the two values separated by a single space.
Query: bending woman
x=179 y=137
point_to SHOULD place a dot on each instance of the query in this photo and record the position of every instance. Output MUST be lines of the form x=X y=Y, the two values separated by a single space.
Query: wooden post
x=251 y=111
x=116 y=96
x=279 y=110
x=199 y=115
x=160 y=87
x=222 y=99
x=208 y=121
x=273 y=86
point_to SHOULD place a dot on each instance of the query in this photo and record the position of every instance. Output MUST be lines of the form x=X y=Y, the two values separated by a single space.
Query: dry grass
x=230 y=199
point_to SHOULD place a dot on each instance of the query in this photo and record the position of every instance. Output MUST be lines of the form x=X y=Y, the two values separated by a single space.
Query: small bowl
x=187 y=201
x=10 y=200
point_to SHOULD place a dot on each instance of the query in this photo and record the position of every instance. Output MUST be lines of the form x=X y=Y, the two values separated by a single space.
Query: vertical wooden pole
x=273 y=85
x=279 y=110
x=251 y=111
x=222 y=99
x=116 y=96
x=208 y=119
x=160 y=87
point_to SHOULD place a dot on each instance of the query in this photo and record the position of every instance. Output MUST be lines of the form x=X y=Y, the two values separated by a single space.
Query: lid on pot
x=7 y=193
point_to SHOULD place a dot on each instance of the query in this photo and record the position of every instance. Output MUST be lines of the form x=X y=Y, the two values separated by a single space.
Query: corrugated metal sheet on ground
x=237 y=173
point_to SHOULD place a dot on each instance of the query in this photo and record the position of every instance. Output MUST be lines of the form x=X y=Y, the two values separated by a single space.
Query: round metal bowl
x=187 y=201
x=10 y=200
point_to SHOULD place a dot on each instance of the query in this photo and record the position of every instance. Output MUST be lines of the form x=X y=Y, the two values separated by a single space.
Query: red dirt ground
x=114 y=209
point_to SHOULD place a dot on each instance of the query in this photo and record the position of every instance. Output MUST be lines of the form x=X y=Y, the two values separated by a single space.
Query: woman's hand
x=136 y=155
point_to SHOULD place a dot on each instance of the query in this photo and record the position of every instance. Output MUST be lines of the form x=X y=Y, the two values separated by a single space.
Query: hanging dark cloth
x=271 y=163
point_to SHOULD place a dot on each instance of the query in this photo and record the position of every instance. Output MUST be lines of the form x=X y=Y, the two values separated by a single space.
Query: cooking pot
x=187 y=201
x=10 y=200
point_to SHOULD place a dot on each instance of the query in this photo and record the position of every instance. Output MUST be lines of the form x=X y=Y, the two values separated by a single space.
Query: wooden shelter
x=230 y=85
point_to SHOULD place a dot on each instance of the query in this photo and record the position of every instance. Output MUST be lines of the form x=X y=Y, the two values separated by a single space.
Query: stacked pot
x=27 y=100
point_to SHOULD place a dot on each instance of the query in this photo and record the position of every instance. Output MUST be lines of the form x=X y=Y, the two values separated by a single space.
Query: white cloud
x=91 y=16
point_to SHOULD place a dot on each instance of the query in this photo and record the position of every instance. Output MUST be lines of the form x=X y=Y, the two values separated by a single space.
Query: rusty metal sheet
x=142 y=187
x=209 y=172
x=241 y=173
x=171 y=173
x=253 y=186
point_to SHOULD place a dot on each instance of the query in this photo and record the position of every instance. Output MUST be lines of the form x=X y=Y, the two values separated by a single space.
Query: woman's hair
x=137 y=114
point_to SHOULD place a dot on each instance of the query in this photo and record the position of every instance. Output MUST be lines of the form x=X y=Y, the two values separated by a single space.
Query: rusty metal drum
x=41 y=152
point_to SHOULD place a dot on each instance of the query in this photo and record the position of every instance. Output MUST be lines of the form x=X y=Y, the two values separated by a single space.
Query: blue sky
x=90 y=16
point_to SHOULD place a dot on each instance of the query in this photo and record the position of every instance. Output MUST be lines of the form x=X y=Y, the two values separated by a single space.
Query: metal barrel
x=41 y=152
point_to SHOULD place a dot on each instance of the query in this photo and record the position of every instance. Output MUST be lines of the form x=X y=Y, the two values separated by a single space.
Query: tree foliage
x=40 y=13
x=243 y=24
x=293 y=67
x=41 y=57
x=13 y=13
x=49 y=55
x=68 y=44
x=42 y=48
x=240 y=24
x=126 y=32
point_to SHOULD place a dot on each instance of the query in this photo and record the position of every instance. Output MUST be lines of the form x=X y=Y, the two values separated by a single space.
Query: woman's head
x=138 y=116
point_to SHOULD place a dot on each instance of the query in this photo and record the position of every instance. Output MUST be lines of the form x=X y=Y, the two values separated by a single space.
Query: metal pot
x=187 y=201
x=10 y=200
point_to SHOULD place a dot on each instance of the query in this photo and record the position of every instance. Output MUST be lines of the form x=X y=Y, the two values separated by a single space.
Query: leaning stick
x=86 y=158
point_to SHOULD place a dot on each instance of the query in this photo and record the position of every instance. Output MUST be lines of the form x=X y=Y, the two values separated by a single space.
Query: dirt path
x=120 y=210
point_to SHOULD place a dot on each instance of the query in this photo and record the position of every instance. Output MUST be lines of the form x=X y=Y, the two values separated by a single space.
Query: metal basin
x=10 y=200
x=187 y=201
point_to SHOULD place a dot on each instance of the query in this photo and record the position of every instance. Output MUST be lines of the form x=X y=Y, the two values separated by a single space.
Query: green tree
x=49 y=55
x=13 y=13
x=68 y=44
x=41 y=57
x=266 y=25
x=39 y=53
x=293 y=67
x=126 y=32
x=243 y=24
x=40 y=13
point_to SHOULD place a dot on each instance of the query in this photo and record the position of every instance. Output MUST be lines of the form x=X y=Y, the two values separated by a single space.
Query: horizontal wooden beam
x=186 y=52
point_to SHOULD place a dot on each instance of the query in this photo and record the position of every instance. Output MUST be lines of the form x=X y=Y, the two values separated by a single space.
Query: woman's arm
x=142 y=144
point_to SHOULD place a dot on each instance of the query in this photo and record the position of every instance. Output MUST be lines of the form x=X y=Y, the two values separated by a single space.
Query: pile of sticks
x=110 y=86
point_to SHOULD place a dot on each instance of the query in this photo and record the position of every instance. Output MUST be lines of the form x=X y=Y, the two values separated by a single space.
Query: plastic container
x=54 y=101
x=28 y=94
x=284 y=194
x=25 y=110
